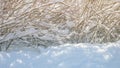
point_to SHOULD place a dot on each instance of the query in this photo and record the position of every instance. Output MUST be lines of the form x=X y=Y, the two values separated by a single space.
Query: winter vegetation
x=59 y=33
x=54 y=22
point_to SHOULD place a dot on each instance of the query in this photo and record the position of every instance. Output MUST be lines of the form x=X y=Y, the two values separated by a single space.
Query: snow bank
x=64 y=56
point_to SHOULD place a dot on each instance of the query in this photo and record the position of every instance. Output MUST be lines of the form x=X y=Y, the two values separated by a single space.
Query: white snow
x=82 y=55
x=59 y=54
x=17 y=34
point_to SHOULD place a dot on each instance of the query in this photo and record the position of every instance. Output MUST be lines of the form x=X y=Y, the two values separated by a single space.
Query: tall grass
x=96 y=21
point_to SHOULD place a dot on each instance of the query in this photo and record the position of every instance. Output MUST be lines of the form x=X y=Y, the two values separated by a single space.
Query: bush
x=88 y=21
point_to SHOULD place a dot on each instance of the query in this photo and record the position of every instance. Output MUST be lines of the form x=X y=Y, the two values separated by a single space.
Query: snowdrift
x=64 y=56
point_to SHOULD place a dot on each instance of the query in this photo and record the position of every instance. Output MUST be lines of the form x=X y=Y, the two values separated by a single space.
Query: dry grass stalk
x=95 y=20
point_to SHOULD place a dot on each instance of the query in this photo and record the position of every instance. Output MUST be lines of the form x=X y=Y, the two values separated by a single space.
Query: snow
x=27 y=50
x=17 y=34
x=82 y=55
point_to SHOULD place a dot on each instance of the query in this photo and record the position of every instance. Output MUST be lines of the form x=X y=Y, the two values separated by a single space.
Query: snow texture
x=64 y=56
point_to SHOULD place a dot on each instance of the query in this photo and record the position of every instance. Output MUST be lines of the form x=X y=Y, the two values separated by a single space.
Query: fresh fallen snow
x=80 y=55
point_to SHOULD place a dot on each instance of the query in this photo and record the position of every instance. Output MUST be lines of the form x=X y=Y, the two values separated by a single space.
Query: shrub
x=89 y=21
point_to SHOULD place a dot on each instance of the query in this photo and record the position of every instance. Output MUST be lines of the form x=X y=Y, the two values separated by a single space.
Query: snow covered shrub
x=52 y=22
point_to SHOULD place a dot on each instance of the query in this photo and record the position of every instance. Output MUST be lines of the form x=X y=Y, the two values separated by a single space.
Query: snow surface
x=80 y=55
